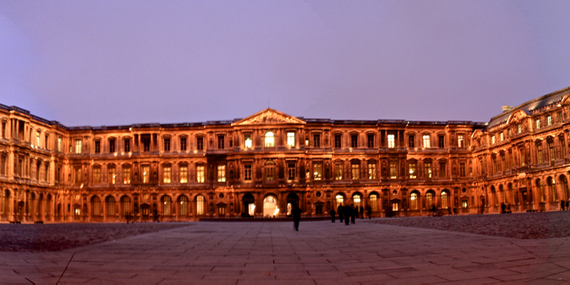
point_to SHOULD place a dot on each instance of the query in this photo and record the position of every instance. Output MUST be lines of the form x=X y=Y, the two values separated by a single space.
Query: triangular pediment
x=268 y=116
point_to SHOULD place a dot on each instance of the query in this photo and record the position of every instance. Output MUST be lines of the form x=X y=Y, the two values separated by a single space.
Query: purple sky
x=122 y=62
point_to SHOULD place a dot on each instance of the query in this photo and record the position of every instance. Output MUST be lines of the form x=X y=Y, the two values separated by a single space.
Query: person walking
x=562 y=205
x=296 y=212
x=333 y=213
x=346 y=213
x=354 y=211
x=340 y=211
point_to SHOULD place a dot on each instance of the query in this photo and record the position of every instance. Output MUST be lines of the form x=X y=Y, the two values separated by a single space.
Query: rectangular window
x=112 y=175
x=337 y=141
x=200 y=174
x=183 y=144
x=411 y=142
x=317 y=171
x=370 y=141
x=97 y=146
x=426 y=141
x=166 y=174
x=290 y=139
x=519 y=128
x=127 y=145
x=220 y=142
x=442 y=170
x=441 y=141
x=112 y=145
x=3 y=130
x=247 y=172
x=183 y=174
x=549 y=120
x=413 y=172
x=291 y=171
x=96 y=175
x=316 y=140
x=354 y=141
x=127 y=175
x=492 y=139
x=247 y=141
x=146 y=174
x=146 y=142
x=427 y=167
x=167 y=144
x=221 y=173
x=200 y=143
x=372 y=171
x=77 y=146
x=460 y=141
x=537 y=124
x=462 y=169
x=561 y=117
x=393 y=170
x=38 y=139
x=539 y=153
x=338 y=171
x=391 y=141
x=501 y=137
x=59 y=141
x=355 y=169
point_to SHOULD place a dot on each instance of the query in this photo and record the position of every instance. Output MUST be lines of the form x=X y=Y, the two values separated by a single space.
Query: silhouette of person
x=562 y=205
x=296 y=212
x=347 y=212
x=369 y=212
x=333 y=213
x=354 y=213
x=361 y=212
x=340 y=211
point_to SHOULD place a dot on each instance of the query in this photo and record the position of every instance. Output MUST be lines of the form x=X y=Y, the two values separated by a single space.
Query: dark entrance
x=248 y=205
x=292 y=200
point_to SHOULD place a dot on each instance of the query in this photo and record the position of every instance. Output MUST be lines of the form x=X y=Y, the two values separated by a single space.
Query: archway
x=292 y=200
x=248 y=205
x=270 y=206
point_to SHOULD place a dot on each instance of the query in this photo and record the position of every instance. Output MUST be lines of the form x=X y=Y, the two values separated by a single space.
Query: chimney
x=507 y=108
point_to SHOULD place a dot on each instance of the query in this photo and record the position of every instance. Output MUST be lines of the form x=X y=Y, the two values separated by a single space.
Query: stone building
x=262 y=165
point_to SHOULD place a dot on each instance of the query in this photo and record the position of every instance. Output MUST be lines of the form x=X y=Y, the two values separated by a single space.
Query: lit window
x=167 y=175
x=318 y=171
x=426 y=141
x=460 y=142
x=444 y=200
x=395 y=207
x=77 y=146
x=200 y=205
x=492 y=139
x=38 y=139
x=393 y=170
x=200 y=174
x=247 y=172
x=374 y=202
x=413 y=170
x=247 y=141
x=357 y=200
x=414 y=201
x=338 y=171
x=339 y=200
x=146 y=173
x=538 y=124
x=183 y=174
x=391 y=141
x=501 y=136
x=269 y=139
x=112 y=175
x=291 y=139
x=371 y=171
x=59 y=140
x=127 y=175
x=549 y=120
x=427 y=166
x=355 y=167
x=519 y=130
x=221 y=173
x=464 y=204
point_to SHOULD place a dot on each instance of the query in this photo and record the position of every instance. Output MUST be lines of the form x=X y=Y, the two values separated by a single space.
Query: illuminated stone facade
x=261 y=165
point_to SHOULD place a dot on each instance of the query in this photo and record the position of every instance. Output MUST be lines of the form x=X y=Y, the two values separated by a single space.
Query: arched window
x=339 y=200
x=166 y=203
x=269 y=139
x=95 y=206
x=444 y=200
x=110 y=203
x=429 y=200
x=414 y=201
x=374 y=202
x=564 y=186
x=541 y=190
x=200 y=205
x=357 y=199
x=126 y=204
x=183 y=205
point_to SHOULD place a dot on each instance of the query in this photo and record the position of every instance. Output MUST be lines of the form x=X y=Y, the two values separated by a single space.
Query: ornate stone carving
x=269 y=116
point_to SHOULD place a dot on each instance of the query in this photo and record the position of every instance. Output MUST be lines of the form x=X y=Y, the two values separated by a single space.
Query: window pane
x=290 y=139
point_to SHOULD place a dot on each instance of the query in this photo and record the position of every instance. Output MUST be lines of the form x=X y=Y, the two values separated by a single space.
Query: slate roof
x=530 y=106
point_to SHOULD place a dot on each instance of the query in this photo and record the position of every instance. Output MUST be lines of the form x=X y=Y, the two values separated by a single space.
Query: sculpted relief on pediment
x=269 y=116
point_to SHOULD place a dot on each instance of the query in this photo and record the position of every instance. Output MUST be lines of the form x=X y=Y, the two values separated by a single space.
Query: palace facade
x=262 y=165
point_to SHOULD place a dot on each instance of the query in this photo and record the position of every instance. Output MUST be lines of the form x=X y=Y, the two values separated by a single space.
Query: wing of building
x=262 y=165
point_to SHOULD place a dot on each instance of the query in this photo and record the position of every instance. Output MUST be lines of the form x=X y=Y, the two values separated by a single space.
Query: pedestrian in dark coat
x=340 y=211
x=562 y=204
x=333 y=213
x=347 y=212
x=296 y=212
x=361 y=212
x=354 y=213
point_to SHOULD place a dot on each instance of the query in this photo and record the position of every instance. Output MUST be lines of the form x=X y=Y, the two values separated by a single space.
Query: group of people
x=349 y=213
x=564 y=203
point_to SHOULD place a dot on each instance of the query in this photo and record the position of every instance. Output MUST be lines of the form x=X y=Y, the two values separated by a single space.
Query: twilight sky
x=122 y=62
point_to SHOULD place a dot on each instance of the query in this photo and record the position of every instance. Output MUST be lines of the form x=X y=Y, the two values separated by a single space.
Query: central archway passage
x=270 y=207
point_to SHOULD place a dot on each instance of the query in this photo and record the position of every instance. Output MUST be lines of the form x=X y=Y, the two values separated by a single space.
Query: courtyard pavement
x=320 y=253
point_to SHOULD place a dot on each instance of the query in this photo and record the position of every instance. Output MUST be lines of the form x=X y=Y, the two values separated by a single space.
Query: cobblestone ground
x=521 y=225
x=56 y=237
